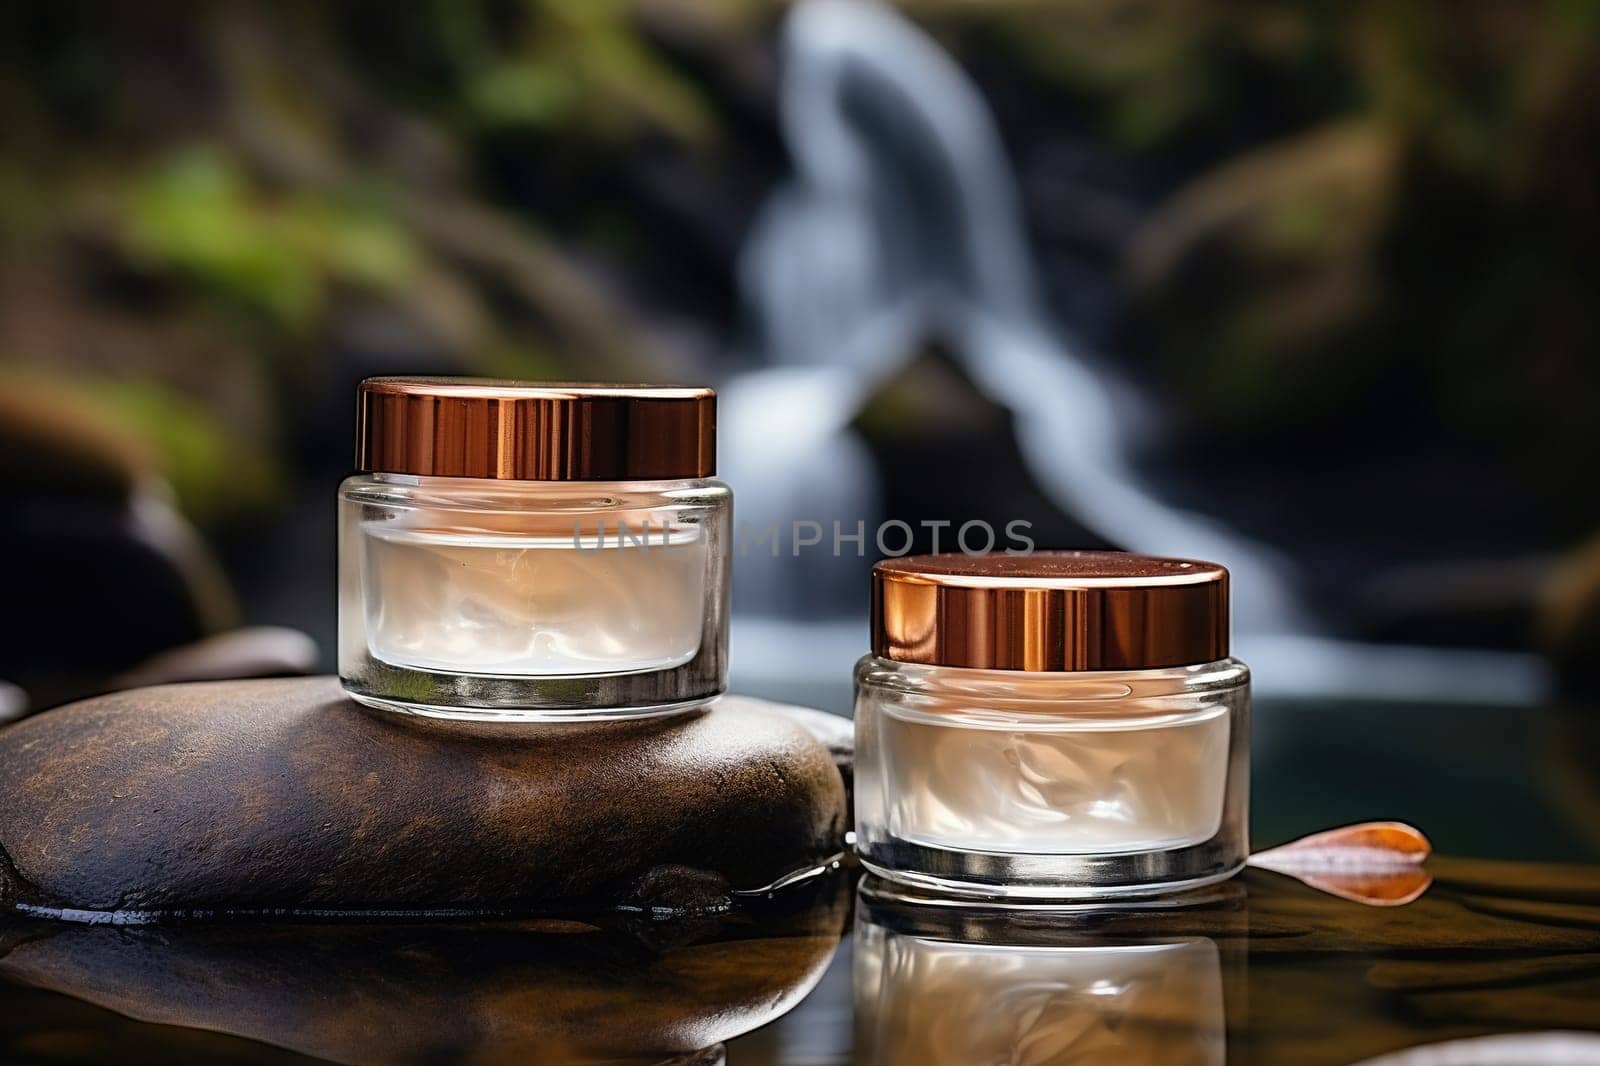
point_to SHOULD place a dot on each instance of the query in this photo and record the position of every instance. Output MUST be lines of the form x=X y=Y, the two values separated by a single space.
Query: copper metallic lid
x=1049 y=611
x=535 y=431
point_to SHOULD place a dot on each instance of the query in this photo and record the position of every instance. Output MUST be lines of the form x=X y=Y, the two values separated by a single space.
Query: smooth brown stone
x=836 y=732
x=282 y=794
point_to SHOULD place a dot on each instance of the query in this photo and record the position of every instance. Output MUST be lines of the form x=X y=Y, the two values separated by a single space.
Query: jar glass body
x=1052 y=785
x=540 y=600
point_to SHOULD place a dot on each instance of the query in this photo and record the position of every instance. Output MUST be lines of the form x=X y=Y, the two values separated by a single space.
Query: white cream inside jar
x=625 y=594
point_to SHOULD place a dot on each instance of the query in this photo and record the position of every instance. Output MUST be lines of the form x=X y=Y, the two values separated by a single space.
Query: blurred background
x=1306 y=290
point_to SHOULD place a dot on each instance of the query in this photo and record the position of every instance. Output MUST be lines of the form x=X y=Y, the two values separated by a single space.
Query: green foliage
x=1156 y=72
x=195 y=214
x=579 y=68
x=524 y=92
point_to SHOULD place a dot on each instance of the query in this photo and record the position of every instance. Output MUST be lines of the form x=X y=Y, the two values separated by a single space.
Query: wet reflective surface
x=1262 y=969
x=506 y=991
x=936 y=985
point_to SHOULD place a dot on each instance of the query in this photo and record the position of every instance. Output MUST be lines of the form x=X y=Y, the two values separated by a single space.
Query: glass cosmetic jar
x=519 y=551
x=1051 y=726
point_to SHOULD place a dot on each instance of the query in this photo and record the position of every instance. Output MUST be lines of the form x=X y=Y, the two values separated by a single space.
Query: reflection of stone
x=514 y=991
x=283 y=794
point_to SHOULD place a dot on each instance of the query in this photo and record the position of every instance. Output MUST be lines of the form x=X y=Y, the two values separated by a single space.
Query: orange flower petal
x=1376 y=863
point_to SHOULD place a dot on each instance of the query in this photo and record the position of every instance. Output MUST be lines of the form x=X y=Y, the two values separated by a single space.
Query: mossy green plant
x=197 y=214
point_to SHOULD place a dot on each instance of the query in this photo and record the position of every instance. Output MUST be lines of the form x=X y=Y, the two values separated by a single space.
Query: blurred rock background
x=1348 y=255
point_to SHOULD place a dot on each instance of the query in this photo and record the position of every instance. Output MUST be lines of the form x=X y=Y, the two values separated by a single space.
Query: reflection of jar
x=533 y=551
x=1054 y=725
x=940 y=985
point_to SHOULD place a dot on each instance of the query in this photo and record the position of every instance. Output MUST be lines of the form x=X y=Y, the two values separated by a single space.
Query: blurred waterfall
x=901 y=224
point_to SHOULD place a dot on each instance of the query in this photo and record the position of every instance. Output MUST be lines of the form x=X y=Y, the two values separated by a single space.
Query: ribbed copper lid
x=1049 y=611
x=534 y=431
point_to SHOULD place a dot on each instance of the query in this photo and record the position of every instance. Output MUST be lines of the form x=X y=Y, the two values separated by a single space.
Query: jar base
x=552 y=698
x=875 y=890
x=529 y=714
x=990 y=877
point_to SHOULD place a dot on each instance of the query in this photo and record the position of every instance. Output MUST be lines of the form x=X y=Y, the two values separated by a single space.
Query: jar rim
x=504 y=429
x=1057 y=611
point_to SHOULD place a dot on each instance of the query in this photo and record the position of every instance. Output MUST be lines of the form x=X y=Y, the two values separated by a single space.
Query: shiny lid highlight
x=1050 y=611
x=534 y=431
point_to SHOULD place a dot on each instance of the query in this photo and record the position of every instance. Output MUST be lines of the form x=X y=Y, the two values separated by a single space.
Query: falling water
x=902 y=223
